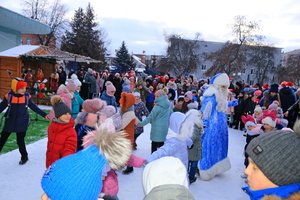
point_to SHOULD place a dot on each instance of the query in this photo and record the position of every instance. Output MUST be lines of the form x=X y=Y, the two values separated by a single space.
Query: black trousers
x=156 y=145
x=20 y=141
x=248 y=140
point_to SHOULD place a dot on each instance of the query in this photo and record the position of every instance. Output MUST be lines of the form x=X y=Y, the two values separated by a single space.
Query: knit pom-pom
x=115 y=147
x=55 y=99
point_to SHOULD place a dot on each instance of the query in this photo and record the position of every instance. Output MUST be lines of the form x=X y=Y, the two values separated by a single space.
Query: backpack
x=9 y=102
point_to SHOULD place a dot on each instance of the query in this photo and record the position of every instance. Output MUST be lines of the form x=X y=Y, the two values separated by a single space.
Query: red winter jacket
x=62 y=141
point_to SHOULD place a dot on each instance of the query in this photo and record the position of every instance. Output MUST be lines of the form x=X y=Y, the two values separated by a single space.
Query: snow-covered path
x=23 y=182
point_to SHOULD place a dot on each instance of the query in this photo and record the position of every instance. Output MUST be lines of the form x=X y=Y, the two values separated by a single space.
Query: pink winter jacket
x=110 y=183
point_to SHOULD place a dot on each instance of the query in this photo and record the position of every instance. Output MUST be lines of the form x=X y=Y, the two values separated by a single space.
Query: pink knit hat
x=257 y=93
x=110 y=88
x=93 y=105
x=274 y=105
x=71 y=86
x=108 y=111
x=189 y=95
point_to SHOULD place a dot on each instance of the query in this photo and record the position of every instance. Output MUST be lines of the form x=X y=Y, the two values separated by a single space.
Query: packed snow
x=23 y=182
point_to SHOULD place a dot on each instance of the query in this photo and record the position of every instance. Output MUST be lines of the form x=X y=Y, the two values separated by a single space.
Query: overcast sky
x=142 y=24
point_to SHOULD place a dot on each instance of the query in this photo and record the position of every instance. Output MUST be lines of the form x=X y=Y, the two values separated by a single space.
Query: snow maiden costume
x=215 y=138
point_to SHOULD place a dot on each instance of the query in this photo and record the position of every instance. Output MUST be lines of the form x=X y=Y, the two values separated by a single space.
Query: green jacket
x=159 y=119
x=169 y=192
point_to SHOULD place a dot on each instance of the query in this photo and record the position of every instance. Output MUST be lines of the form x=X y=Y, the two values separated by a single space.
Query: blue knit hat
x=75 y=177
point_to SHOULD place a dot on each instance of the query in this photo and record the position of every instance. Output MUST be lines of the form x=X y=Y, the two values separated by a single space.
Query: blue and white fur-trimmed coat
x=215 y=137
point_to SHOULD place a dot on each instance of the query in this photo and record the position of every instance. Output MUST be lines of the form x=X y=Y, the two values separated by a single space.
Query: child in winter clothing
x=195 y=151
x=252 y=131
x=62 y=140
x=140 y=110
x=79 y=175
x=120 y=143
x=178 y=104
x=188 y=99
x=179 y=137
x=86 y=121
x=150 y=99
x=159 y=119
x=76 y=100
x=269 y=121
x=17 y=116
x=108 y=95
x=66 y=97
x=258 y=114
x=280 y=121
x=166 y=178
x=274 y=171
x=128 y=120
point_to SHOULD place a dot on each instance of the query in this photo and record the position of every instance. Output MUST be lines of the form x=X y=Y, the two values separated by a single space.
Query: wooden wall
x=12 y=64
x=15 y=65
x=47 y=68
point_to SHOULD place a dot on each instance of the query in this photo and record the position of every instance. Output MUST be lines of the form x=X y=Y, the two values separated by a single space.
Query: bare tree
x=52 y=14
x=182 y=55
x=262 y=59
x=232 y=57
x=291 y=69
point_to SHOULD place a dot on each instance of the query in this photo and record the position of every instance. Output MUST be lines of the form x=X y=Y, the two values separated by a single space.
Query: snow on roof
x=47 y=53
x=138 y=61
x=18 y=50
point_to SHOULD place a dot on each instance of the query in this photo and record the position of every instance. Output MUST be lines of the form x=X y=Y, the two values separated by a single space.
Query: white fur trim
x=269 y=121
x=187 y=126
x=127 y=118
x=207 y=111
x=193 y=105
x=210 y=91
x=219 y=168
x=222 y=79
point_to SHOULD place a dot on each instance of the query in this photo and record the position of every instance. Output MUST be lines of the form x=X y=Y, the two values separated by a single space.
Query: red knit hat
x=17 y=84
x=20 y=85
x=265 y=86
x=289 y=84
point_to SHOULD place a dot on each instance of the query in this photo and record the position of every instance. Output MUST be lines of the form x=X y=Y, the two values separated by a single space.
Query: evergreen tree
x=123 y=60
x=84 y=37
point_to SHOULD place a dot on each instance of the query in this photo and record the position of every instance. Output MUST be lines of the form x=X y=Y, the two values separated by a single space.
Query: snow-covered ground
x=23 y=182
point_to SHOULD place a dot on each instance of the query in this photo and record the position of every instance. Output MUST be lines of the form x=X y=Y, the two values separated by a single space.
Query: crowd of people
x=189 y=133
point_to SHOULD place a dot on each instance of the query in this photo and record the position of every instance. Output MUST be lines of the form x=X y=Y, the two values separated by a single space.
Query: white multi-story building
x=248 y=73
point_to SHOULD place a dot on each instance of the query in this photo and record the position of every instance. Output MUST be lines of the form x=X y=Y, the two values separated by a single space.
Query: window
x=252 y=71
x=203 y=67
x=28 y=41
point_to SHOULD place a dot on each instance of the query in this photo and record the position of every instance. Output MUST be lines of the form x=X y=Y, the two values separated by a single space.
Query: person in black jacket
x=287 y=99
x=17 y=118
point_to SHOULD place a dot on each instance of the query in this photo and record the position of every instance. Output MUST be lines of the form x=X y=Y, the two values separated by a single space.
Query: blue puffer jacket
x=110 y=100
x=159 y=119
